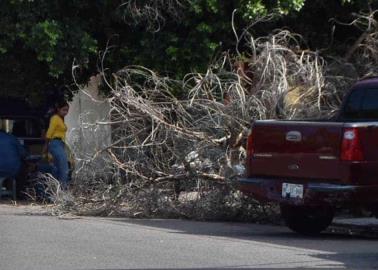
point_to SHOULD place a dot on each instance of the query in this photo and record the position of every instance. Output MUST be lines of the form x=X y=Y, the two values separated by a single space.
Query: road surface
x=44 y=242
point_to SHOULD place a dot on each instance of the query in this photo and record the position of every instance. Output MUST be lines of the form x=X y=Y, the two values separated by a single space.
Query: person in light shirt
x=55 y=137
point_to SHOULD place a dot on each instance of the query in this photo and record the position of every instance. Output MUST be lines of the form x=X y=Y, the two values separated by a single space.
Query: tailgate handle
x=294 y=136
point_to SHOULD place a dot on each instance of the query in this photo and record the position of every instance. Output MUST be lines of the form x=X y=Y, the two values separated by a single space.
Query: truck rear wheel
x=307 y=220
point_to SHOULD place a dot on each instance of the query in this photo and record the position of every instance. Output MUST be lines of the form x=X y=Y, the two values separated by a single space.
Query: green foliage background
x=40 y=40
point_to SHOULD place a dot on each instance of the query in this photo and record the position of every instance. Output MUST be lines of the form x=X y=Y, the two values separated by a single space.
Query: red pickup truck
x=313 y=168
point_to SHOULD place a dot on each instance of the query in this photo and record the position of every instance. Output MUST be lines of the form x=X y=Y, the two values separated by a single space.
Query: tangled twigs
x=152 y=12
x=363 y=53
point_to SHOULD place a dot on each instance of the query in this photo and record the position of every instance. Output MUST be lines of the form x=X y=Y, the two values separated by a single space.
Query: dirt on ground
x=24 y=207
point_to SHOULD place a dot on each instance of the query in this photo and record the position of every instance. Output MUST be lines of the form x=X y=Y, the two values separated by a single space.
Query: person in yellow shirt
x=55 y=145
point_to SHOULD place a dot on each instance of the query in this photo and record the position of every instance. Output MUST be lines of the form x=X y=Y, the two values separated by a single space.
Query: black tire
x=307 y=220
x=374 y=210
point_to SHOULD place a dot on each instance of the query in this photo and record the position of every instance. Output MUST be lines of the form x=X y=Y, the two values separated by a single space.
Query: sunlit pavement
x=36 y=241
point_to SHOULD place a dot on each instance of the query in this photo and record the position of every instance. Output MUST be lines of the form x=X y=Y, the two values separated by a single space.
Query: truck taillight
x=250 y=149
x=351 y=149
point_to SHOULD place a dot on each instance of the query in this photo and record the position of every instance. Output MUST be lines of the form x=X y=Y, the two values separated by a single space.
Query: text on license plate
x=294 y=191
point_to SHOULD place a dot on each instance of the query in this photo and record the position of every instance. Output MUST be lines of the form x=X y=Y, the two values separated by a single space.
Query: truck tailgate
x=295 y=149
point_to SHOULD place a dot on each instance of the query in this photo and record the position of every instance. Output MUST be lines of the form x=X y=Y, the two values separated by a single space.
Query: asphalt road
x=42 y=242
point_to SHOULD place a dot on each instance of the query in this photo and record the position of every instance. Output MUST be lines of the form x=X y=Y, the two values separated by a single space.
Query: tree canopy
x=41 y=40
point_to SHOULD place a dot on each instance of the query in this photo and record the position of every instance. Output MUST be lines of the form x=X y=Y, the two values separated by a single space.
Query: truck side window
x=361 y=105
x=369 y=107
x=352 y=109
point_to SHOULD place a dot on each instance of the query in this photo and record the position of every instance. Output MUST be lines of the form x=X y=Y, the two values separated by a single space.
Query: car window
x=29 y=127
x=353 y=105
x=362 y=104
x=369 y=106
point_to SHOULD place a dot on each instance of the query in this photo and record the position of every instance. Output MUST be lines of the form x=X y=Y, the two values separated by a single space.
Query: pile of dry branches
x=177 y=146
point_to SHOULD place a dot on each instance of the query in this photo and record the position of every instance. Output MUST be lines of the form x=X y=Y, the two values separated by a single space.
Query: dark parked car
x=314 y=167
x=27 y=124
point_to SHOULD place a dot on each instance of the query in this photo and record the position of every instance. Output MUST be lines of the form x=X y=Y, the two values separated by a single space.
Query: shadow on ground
x=345 y=250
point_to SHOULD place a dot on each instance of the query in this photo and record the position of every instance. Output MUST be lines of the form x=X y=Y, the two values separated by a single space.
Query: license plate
x=292 y=191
